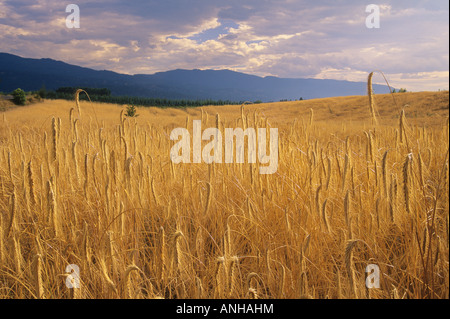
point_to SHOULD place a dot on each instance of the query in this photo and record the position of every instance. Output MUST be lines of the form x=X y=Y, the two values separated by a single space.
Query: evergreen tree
x=19 y=96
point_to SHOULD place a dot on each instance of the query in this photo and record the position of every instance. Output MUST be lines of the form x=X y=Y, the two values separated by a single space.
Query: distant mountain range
x=32 y=74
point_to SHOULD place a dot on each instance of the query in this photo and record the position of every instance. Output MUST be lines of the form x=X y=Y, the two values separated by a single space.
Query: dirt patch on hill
x=6 y=102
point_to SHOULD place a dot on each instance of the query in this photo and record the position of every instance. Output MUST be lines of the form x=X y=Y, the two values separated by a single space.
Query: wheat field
x=82 y=184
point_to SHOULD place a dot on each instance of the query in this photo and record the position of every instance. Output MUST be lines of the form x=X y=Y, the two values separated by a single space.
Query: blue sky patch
x=214 y=33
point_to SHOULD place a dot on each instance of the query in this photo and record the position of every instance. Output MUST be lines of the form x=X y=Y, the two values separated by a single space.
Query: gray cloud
x=289 y=38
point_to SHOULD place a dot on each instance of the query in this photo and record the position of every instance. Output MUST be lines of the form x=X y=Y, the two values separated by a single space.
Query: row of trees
x=104 y=95
x=90 y=91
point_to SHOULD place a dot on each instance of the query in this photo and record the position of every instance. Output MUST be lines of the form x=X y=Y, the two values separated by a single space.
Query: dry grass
x=99 y=190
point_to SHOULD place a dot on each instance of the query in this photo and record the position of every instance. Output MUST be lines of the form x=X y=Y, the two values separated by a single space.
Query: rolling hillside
x=91 y=188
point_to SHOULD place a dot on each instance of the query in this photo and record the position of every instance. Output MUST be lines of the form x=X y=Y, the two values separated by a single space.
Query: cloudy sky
x=285 y=38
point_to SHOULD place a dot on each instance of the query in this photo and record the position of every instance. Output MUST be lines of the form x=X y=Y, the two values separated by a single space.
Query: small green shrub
x=19 y=97
x=131 y=111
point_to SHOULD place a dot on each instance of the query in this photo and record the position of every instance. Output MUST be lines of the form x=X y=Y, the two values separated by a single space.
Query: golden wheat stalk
x=75 y=161
x=406 y=182
x=349 y=265
x=243 y=117
x=128 y=284
x=218 y=121
x=54 y=139
x=71 y=115
x=338 y=285
x=12 y=213
x=421 y=169
x=10 y=167
x=110 y=283
x=208 y=198
x=31 y=184
x=346 y=167
x=2 y=242
x=317 y=199
x=304 y=289
x=232 y=278
x=384 y=173
x=199 y=286
x=219 y=274
x=325 y=216
x=18 y=258
x=252 y=291
x=403 y=129
x=52 y=207
x=85 y=244
x=178 y=257
x=40 y=294
x=311 y=117
x=77 y=99
x=371 y=98
x=347 y=213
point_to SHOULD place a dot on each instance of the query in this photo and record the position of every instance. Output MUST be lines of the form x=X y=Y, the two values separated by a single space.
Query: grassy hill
x=90 y=187
x=421 y=108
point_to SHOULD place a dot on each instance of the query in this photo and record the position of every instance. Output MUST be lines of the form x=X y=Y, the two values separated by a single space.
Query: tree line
x=104 y=95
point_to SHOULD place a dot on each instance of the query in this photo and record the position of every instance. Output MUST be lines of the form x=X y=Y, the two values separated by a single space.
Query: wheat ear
x=128 y=285
x=324 y=215
x=349 y=264
x=371 y=98
x=31 y=183
x=38 y=277
x=12 y=213
x=383 y=169
x=219 y=292
x=406 y=192
x=54 y=138
x=252 y=292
